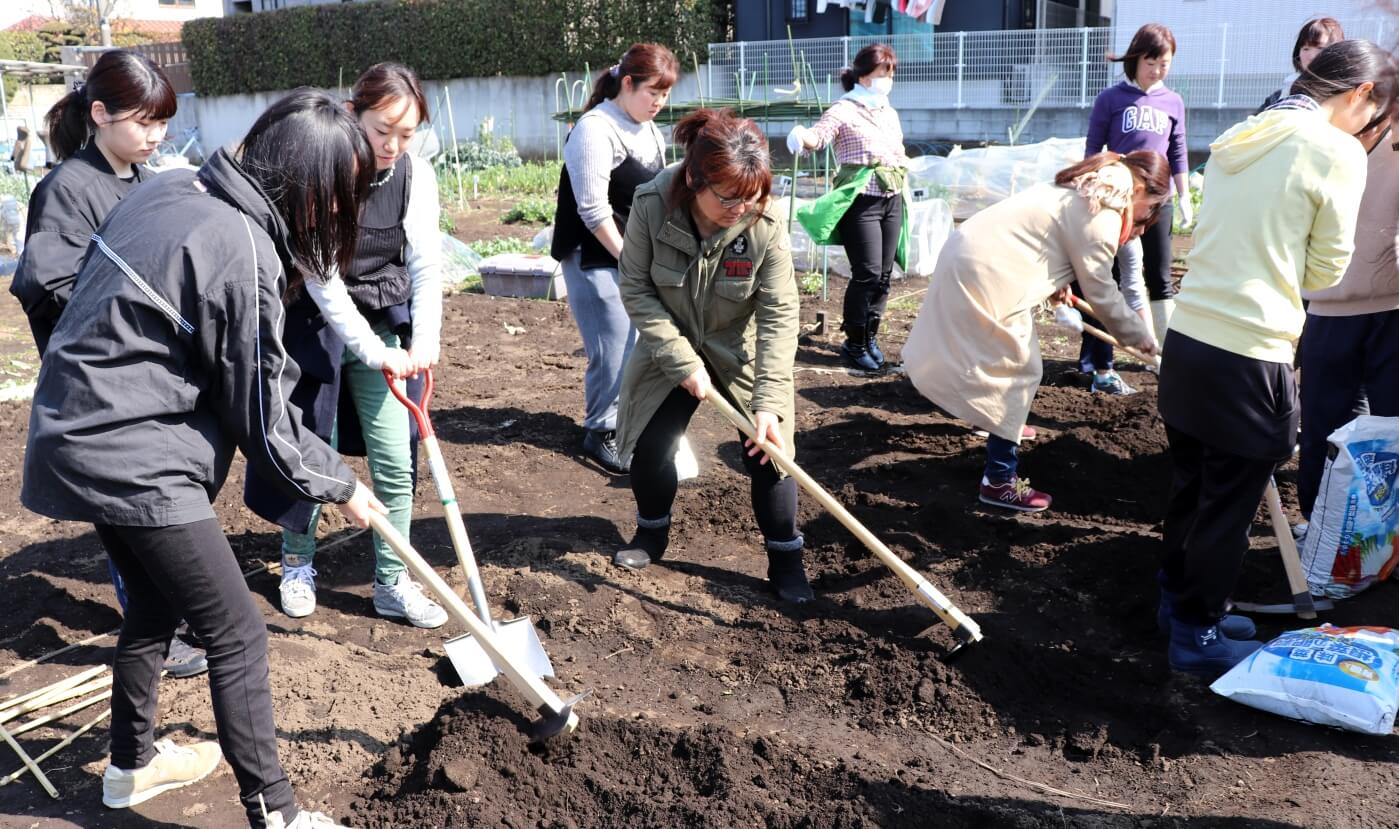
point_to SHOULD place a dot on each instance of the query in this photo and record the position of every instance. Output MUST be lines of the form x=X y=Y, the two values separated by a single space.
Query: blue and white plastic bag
x=1342 y=677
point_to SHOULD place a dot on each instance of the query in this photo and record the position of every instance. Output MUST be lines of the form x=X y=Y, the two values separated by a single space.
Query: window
x=798 y=11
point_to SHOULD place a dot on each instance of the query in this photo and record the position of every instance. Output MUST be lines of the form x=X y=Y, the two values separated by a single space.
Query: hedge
x=328 y=45
x=21 y=46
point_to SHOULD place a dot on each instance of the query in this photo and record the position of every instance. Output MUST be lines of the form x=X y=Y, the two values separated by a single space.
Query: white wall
x=521 y=108
x=1250 y=35
x=153 y=10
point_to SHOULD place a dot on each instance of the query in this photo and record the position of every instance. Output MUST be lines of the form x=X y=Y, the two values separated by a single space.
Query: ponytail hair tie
x=615 y=70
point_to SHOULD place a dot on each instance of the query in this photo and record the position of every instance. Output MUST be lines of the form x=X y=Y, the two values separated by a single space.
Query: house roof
x=157 y=29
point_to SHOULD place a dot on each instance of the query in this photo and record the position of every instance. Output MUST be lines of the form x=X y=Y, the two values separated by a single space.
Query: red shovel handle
x=418 y=410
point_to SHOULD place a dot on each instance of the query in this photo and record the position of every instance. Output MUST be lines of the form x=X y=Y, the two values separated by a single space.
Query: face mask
x=883 y=86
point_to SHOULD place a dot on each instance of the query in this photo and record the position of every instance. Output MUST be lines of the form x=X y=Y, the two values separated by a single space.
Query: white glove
x=1187 y=211
x=796 y=139
x=1068 y=317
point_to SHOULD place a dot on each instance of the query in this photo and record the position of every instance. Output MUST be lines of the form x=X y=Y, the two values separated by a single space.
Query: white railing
x=1217 y=66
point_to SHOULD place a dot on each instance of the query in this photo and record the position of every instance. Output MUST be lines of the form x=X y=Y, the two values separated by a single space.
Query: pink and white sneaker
x=1015 y=494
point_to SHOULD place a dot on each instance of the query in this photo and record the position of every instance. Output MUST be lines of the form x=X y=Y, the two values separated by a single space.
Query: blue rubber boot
x=1203 y=651
x=1231 y=625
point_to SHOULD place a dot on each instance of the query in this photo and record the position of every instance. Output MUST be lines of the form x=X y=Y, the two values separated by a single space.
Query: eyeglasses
x=731 y=203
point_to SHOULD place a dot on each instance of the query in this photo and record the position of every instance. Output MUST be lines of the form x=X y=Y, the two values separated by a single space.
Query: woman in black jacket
x=168 y=359
x=102 y=133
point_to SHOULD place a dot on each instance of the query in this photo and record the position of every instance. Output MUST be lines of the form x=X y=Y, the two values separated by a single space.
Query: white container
x=528 y=275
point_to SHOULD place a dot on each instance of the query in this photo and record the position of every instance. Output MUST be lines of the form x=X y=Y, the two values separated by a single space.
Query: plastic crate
x=531 y=276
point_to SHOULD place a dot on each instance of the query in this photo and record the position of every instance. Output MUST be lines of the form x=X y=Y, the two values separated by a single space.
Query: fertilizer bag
x=1353 y=539
x=1342 y=677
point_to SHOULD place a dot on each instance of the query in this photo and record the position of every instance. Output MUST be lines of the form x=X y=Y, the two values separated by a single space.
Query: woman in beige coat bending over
x=973 y=350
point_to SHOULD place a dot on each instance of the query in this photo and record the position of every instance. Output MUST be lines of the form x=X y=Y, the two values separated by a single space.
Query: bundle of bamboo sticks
x=88 y=688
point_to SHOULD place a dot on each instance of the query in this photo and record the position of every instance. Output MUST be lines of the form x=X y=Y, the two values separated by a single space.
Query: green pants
x=387 y=438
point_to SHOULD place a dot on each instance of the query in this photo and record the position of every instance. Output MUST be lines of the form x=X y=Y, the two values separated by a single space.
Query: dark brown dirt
x=713 y=705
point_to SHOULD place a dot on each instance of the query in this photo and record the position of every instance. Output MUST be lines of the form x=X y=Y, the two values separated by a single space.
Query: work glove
x=796 y=139
x=1187 y=210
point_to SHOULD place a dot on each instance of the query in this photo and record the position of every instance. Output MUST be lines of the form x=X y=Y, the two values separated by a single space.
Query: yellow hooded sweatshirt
x=1282 y=191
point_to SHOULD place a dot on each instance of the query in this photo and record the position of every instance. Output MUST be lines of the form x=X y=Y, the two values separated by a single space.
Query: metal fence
x=1225 y=66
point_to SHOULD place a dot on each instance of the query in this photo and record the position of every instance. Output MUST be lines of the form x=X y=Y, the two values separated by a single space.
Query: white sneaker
x=298 y=591
x=404 y=599
x=304 y=820
x=174 y=766
x=1299 y=530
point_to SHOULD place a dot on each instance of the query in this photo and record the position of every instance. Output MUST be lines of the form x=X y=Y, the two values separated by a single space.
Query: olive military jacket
x=728 y=303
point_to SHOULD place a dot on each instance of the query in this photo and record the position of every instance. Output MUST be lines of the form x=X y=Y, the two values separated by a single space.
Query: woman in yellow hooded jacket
x=1228 y=395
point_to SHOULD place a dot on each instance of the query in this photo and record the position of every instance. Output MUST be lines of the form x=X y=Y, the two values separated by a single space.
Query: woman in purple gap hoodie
x=1140 y=113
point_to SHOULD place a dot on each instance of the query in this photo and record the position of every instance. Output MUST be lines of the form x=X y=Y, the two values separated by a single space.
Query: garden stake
x=29 y=762
x=87 y=726
x=556 y=716
x=963 y=628
x=517 y=636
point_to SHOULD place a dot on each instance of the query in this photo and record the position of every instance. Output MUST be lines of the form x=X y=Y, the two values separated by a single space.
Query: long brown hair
x=721 y=150
x=1151 y=41
x=867 y=61
x=1344 y=66
x=384 y=83
x=643 y=62
x=124 y=82
x=1149 y=168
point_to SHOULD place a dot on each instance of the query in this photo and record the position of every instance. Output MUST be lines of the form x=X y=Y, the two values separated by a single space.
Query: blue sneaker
x=1111 y=383
x=1204 y=651
x=1231 y=625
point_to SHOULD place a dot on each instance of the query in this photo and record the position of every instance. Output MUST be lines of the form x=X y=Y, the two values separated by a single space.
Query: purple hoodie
x=1125 y=119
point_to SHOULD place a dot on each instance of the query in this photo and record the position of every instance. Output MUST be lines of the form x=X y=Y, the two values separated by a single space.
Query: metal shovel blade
x=518 y=639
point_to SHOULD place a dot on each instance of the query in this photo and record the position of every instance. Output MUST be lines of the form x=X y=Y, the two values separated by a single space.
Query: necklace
x=380 y=182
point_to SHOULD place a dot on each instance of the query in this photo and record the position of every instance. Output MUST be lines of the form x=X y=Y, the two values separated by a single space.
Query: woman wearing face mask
x=102 y=133
x=707 y=278
x=866 y=211
x=974 y=349
x=614 y=148
x=1228 y=394
x=1316 y=34
x=167 y=362
x=1140 y=113
x=353 y=328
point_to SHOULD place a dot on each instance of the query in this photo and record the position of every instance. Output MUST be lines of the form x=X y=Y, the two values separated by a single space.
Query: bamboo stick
x=29 y=763
x=69 y=682
x=55 y=698
x=88 y=726
x=58 y=715
x=51 y=654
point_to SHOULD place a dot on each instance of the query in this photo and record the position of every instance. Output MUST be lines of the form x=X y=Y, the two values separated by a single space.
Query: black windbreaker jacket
x=168 y=356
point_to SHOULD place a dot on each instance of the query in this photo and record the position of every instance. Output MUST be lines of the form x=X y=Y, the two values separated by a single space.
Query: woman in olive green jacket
x=707 y=279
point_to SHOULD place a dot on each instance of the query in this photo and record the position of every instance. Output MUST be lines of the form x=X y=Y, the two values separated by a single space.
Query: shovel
x=963 y=628
x=1302 y=602
x=1079 y=326
x=516 y=637
x=555 y=715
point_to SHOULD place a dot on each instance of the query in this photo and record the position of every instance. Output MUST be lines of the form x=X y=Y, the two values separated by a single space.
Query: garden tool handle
x=540 y=696
x=456 y=527
x=1151 y=360
x=418 y=410
x=962 y=626
x=1291 y=561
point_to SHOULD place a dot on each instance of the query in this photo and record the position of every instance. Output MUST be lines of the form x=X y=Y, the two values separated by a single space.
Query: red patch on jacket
x=738 y=269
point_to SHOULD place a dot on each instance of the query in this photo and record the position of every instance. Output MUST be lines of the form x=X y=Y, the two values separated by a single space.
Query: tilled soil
x=713 y=704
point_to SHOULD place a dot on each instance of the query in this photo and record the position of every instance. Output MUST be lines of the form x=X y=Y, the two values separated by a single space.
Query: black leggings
x=653 y=479
x=1156 y=256
x=189 y=571
x=869 y=231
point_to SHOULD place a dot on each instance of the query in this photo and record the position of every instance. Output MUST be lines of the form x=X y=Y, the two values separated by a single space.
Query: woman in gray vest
x=384 y=313
x=614 y=148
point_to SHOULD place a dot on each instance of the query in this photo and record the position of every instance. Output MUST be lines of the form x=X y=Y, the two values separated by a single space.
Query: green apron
x=821 y=217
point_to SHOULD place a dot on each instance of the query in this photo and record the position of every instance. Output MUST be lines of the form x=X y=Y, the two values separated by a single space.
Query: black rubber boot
x=648 y=545
x=786 y=575
x=856 y=349
x=872 y=339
